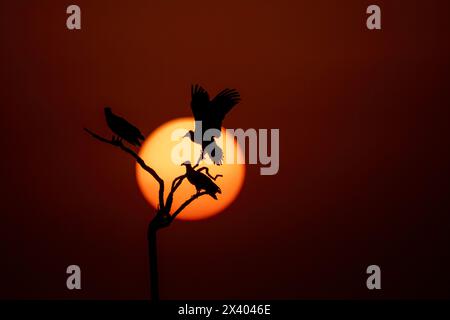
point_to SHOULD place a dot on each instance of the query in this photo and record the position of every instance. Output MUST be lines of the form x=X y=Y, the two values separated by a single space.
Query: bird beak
x=185 y=136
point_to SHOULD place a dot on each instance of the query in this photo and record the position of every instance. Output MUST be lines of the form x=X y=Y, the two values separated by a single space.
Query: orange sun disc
x=166 y=149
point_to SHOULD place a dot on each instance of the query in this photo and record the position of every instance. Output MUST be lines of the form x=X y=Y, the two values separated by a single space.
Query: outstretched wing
x=199 y=102
x=223 y=103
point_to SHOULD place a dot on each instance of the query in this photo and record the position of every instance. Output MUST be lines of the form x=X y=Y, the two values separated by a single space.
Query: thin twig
x=186 y=203
x=208 y=174
x=175 y=184
x=139 y=160
x=177 y=181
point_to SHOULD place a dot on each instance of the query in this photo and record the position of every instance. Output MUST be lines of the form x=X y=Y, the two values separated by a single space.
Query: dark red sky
x=363 y=117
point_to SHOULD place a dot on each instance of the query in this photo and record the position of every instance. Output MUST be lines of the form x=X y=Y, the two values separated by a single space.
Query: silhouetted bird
x=211 y=113
x=201 y=181
x=123 y=128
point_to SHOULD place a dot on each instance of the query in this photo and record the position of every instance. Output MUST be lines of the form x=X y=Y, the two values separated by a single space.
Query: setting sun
x=158 y=151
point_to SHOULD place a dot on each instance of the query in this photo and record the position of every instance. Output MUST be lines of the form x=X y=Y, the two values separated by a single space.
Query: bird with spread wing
x=123 y=129
x=211 y=113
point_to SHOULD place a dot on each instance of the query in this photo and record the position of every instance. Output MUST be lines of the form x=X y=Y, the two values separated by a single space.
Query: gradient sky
x=364 y=170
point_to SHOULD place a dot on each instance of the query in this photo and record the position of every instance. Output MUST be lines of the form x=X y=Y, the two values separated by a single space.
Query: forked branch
x=186 y=203
x=164 y=206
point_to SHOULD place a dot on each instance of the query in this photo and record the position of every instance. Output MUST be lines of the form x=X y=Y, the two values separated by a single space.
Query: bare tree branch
x=208 y=174
x=175 y=184
x=186 y=203
x=119 y=144
x=177 y=181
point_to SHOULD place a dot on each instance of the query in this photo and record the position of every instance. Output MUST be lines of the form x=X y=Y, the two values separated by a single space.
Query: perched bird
x=123 y=129
x=201 y=181
x=211 y=113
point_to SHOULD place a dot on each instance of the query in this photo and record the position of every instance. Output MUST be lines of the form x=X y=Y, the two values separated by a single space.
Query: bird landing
x=207 y=142
x=209 y=115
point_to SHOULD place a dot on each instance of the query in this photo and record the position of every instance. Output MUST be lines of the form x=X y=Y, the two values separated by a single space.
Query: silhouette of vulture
x=122 y=128
x=201 y=181
x=211 y=113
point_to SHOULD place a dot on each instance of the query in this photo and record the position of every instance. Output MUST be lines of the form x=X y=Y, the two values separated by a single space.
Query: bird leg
x=199 y=160
x=208 y=174
x=116 y=140
x=196 y=194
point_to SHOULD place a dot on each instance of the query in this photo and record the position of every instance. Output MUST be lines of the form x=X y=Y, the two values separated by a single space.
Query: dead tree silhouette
x=163 y=216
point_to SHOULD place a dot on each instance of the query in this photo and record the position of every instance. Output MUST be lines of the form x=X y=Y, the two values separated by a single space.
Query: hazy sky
x=364 y=158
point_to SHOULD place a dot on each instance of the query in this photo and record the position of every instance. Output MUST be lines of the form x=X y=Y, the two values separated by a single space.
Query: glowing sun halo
x=157 y=152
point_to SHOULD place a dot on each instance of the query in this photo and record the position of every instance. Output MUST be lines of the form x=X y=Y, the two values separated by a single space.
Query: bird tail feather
x=213 y=195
